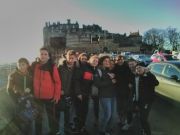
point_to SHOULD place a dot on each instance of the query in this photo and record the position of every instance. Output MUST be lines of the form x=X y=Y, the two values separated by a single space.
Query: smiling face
x=83 y=59
x=93 y=61
x=71 y=59
x=106 y=63
x=140 y=70
x=132 y=65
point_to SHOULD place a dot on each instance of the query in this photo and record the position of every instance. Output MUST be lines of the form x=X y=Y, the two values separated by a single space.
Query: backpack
x=27 y=111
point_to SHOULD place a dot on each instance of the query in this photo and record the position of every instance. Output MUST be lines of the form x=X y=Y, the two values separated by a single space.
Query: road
x=164 y=118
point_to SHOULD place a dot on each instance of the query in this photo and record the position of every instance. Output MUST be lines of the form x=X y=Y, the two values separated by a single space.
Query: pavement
x=164 y=119
x=6 y=110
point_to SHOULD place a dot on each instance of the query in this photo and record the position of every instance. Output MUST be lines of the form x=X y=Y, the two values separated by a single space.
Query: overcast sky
x=22 y=21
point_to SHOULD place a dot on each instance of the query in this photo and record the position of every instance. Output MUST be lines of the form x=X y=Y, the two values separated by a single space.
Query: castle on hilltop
x=62 y=35
x=92 y=38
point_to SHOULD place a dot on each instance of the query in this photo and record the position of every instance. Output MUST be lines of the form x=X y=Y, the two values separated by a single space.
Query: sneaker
x=58 y=133
x=121 y=124
x=125 y=127
x=84 y=131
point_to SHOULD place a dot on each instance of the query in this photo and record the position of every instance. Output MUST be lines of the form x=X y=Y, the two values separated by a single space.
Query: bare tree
x=173 y=37
x=155 y=37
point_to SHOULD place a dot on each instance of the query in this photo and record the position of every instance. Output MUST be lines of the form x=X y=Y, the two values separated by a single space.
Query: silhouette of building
x=135 y=37
x=60 y=35
x=92 y=38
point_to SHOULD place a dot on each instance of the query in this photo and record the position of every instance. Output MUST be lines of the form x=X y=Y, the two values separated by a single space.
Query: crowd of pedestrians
x=67 y=87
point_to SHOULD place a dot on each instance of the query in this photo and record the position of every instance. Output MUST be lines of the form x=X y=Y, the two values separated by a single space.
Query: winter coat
x=147 y=83
x=46 y=81
x=83 y=79
x=105 y=85
x=17 y=83
x=122 y=73
x=67 y=78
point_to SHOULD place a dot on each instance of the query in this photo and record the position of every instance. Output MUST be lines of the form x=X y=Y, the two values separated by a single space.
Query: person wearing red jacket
x=47 y=89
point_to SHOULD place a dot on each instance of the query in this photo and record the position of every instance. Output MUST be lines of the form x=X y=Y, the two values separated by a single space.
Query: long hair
x=49 y=53
x=102 y=59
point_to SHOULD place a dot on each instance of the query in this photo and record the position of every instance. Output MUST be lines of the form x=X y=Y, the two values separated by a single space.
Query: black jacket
x=67 y=78
x=17 y=83
x=83 y=79
x=122 y=73
x=147 y=84
x=105 y=85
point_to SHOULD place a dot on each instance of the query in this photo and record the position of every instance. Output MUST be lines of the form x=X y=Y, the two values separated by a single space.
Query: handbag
x=27 y=110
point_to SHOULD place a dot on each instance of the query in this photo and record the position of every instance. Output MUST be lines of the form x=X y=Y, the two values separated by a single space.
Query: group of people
x=70 y=84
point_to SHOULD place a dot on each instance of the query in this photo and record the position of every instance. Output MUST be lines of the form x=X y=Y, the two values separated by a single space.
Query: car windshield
x=178 y=65
x=157 y=68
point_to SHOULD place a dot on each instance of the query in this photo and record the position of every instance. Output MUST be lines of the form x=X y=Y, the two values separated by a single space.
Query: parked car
x=168 y=75
x=161 y=57
x=127 y=55
x=142 y=58
x=175 y=55
x=178 y=56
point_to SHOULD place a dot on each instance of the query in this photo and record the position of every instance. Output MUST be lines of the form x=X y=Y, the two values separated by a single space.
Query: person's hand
x=62 y=92
x=130 y=85
x=111 y=75
x=80 y=97
x=55 y=101
x=27 y=90
x=146 y=106
x=113 y=80
x=146 y=69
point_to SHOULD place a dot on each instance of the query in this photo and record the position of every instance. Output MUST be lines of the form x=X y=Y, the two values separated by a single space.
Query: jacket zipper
x=24 y=83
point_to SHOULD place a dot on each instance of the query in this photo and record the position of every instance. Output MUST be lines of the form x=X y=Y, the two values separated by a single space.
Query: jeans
x=63 y=114
x=81 y=107
x=107 y=112
x=50 y=109
x=144 y=113
x=96 y=107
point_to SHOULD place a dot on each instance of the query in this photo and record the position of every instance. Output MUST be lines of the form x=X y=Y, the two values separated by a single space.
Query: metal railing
x=5 y=70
